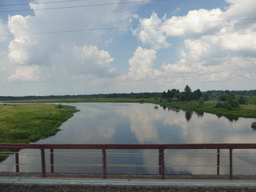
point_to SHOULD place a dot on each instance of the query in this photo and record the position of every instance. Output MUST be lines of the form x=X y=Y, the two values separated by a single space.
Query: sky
x=71 y=47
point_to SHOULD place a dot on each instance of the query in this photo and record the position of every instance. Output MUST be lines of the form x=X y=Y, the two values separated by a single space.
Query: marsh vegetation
x=26 y=123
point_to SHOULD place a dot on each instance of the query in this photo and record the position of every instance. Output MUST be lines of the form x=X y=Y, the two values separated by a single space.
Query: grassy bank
x=29 y=123
x=209 y=107
x=247 y=111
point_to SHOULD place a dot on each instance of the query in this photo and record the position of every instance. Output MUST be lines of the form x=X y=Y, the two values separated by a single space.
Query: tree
x=188 y=94
x=234 y=103
x=206 y=97
x=223 y=97
x=232 y=96
x=173 y=92
x=164 y=95
x=197 y=94
x=242 y=100
x=168 y=95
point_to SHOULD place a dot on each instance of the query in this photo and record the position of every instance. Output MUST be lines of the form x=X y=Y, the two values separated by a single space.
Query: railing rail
x=105 y=147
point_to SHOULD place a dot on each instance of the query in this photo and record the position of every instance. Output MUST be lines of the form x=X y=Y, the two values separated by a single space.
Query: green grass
x=209 y=107
x=248 y=111
x=26 y=123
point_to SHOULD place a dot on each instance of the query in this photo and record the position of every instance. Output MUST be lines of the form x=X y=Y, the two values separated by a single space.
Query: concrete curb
x=36 y=185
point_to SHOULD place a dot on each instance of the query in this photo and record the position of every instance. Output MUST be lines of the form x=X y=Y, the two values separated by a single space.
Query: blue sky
x=145 y=46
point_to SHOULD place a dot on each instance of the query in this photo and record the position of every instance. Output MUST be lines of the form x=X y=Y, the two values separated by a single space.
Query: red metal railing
x=104 y=147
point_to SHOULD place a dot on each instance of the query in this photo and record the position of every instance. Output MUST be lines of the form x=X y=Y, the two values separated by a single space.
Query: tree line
x=187 y=95
x=226 y=99
x=170 y=94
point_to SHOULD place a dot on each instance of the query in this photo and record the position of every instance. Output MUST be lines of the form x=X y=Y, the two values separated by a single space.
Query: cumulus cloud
x=26 y=73
x=58 y=58
x=141 y=65
x=196 y=21
x=217 y=44
x=91 y=60
x=155 y=31
x=149 y=32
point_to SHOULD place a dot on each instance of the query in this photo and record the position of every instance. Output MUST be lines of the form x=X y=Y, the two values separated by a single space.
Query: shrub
x=59 y=106
x=218 y=105
x=234 y=103
x=223 y=97
x=242 y=100
x=224 y=105
x=169 y=99
x=201 y=101
x=228 y=107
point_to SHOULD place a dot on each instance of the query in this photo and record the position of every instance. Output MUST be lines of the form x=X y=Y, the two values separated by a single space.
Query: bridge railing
x=104 y=147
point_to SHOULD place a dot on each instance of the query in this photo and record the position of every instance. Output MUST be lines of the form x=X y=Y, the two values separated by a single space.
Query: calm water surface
x=115 y=123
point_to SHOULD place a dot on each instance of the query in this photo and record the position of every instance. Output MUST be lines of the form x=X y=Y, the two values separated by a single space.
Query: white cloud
x=241 y=10
x=239 y=41
x=216 y=76
x=95 y=56
x=149 y=32
x=141 y=65
x=216 y=43
x=196 y=21
x=212 y=45
x=154 y=31
x=74 y=59
x=203 y=22
x=26 y=73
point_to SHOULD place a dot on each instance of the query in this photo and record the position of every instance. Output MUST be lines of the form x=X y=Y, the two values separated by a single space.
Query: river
x=132 y=123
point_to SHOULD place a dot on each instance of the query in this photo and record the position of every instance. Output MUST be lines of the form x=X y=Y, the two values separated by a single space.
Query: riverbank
x=29 y=123
x=247 y=111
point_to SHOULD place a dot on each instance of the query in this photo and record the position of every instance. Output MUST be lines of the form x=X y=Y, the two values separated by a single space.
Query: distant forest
x=207 y=95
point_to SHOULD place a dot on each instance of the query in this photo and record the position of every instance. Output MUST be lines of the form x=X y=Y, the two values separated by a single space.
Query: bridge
x=104 y=148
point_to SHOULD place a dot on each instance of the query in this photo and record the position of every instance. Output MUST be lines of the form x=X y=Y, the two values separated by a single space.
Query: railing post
x=17 y=160
x=52 y=160
x=218 y=161
x=104 y=163
x=43 y=162
x=230 y=165
x=160 y=162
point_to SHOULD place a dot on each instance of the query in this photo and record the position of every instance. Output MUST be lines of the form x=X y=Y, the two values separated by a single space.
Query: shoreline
x=246 y=111
x=25 y=124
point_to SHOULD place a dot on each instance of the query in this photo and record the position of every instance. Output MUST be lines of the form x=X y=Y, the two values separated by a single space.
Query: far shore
x=247 y=111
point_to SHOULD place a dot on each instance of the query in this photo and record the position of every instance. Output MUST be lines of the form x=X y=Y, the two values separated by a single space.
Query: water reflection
x=134 y=123
x=231 y=119
x=219 y=115
x=199 y=113
x=188 y=115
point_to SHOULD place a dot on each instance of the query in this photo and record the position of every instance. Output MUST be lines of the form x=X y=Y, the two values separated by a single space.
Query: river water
x=117 y=123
